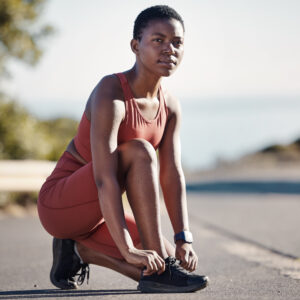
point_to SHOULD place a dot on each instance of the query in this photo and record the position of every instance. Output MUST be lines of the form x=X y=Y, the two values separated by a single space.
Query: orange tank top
x=133 y=126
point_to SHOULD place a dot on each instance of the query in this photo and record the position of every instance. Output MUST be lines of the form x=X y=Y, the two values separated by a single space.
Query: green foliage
x=273 y=149
x=58 y=133
x=18 y=198
x=23 y=136
x=296 y=143
x=292 y=147
x=19 y=38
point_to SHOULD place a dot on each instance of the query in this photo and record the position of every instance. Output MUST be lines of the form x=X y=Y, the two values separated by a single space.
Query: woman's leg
x=91 y=256
x=138 y=163
x=138 y=175
x=138 y=172
x=73 y=205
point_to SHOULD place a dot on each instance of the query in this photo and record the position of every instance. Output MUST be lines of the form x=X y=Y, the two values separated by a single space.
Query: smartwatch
x=185 y=236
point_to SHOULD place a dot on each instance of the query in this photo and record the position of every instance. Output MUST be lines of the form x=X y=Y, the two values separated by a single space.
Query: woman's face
x=160 y=49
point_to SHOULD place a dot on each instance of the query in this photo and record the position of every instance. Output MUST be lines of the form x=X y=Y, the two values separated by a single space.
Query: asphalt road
x=247 y=244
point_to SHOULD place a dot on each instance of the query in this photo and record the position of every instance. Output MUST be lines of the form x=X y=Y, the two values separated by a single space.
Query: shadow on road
x=25 y=294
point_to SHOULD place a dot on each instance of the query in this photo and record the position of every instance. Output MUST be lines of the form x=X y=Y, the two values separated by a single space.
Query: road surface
x=248 y=244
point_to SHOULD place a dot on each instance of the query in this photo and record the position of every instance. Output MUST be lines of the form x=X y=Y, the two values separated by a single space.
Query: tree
x=19 y=36
x=22 y=135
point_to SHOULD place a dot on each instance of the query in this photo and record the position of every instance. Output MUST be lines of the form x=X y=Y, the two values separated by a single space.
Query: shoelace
x=85 y=271
x=171 y=260
x=169 y=263
x=175 y=268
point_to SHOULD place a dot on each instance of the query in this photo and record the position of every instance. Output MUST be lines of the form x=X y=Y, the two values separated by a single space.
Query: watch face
x=188 y=237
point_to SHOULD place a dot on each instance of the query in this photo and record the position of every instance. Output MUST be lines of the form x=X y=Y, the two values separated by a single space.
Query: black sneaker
x=66 y=265
x=173 y=280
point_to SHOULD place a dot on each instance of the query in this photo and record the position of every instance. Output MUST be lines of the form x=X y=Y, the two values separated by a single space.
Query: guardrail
x=24 y=175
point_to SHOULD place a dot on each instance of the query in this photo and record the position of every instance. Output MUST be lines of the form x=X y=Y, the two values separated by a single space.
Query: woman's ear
x=134 y=44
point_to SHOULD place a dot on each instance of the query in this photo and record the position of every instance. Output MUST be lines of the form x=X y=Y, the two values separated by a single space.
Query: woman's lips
x=169 y=63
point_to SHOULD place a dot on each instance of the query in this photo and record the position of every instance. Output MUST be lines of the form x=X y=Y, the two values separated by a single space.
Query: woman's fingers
x=192 y=263
x=154 y=263
x=161 y=265
x=184 y=261
x=148 y=258
x=189 y=261
x=150 y=267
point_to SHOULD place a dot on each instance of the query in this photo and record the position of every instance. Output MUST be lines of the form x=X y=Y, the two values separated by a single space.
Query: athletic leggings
x=68 y=207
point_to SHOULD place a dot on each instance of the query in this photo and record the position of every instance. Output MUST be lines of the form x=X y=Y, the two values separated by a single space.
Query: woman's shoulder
x=108 y=91
x=109 y=87
x=172 y=102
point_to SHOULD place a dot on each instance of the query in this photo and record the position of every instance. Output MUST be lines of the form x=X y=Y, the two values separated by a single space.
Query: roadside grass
x=19 y=204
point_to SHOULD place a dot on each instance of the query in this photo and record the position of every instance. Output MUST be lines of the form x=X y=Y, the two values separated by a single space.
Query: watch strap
x=184 y=235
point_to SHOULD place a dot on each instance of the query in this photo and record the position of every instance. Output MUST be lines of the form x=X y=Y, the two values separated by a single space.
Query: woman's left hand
x=187 y=256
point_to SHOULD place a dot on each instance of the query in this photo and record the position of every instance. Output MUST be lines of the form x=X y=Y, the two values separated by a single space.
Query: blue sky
x=233 y=48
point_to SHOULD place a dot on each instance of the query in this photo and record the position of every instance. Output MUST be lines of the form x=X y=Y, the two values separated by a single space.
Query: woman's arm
x=107 y=113
x=171 y=174
x=173 y=182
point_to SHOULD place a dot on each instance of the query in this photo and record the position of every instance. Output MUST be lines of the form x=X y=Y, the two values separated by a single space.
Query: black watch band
x=185 y=236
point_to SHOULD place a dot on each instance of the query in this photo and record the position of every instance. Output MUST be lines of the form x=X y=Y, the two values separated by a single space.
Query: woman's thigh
x=68 y=202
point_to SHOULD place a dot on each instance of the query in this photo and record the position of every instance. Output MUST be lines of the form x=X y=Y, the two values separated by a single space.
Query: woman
x=127 y=117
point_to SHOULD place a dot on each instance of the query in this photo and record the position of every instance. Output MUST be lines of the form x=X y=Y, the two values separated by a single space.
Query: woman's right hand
x=146 y=258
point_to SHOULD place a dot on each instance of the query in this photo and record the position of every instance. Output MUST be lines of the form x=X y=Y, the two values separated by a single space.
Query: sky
x=239 y=81
x=233 y=48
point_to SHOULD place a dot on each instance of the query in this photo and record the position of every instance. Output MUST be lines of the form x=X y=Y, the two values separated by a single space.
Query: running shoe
x=67 y=265
x=173 y=280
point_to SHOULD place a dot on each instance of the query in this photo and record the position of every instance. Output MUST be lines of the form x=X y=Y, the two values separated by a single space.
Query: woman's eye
x=158 y=40
x=177 y=43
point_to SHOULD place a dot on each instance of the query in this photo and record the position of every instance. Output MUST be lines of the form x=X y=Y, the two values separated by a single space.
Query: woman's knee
x=138 y=150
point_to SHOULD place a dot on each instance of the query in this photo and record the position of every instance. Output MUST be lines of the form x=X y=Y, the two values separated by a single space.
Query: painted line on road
x=234 y=236
x=286 y=264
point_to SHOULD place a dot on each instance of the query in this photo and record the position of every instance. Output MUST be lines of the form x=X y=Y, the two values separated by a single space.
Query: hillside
x=275 y=162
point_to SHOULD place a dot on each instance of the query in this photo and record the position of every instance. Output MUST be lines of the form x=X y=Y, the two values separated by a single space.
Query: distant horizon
x=217 y=130
x=57 y=107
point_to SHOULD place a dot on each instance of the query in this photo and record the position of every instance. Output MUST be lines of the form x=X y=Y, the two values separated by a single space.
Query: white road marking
x=286 y=266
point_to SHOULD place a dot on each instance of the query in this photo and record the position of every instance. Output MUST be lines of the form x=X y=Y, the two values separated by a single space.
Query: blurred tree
x=19 y=35
x=23 y=136
x=58 y=133
x=17 y=131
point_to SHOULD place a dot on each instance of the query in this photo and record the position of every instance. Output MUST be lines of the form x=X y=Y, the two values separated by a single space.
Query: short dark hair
x=154 y=13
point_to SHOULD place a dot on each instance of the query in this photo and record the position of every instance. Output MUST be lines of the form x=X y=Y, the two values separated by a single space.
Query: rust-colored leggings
x=68 y=207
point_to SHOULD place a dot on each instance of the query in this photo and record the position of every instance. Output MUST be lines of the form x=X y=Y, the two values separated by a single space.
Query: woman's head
x=158 y=38
x=157 y=12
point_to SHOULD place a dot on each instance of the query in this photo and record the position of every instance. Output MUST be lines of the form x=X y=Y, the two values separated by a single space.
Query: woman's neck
x=143 y=83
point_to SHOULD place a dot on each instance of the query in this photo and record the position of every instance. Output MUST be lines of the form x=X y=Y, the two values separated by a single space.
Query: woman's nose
x=169 y=48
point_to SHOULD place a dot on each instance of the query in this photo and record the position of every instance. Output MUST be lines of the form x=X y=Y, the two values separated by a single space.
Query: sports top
x=133 y=126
